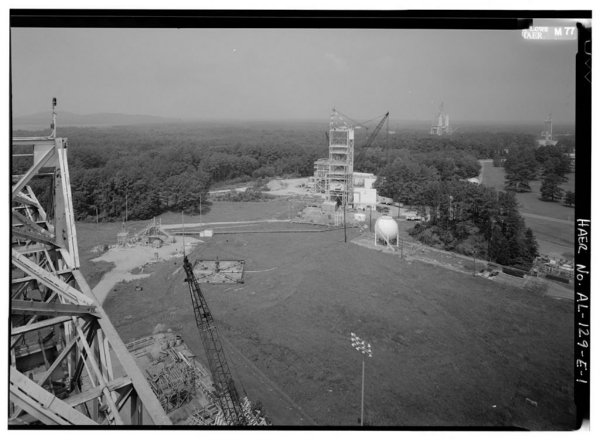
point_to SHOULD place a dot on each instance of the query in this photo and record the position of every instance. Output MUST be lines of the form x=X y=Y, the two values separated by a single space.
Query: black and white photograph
x=363 y=220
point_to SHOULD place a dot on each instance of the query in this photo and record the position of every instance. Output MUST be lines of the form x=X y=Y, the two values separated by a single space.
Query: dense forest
x=476 y=221
x=147 y=170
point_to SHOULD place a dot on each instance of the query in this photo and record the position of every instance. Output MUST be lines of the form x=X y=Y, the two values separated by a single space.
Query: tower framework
x=547 y=138
x=441 y=124
x=68 y=365
x=341 y=160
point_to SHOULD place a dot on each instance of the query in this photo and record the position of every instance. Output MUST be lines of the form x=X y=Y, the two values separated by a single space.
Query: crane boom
x=376 y=131
x=226 y=391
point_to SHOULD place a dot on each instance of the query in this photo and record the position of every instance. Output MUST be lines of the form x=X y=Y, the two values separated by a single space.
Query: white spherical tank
x=386 y=230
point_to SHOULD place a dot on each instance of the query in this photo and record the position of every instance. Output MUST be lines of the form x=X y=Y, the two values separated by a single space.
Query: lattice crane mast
x=371 y=138
x=376 y=131
x=226 y=391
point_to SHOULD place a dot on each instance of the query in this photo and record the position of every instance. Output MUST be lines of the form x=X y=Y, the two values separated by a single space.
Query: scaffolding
x=341 y=160
x=319 y=179
x=173 y=382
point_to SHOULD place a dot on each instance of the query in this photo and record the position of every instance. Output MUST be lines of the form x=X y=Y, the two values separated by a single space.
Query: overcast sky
x=293 y=73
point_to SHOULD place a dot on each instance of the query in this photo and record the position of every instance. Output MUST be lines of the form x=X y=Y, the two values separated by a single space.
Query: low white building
x=365 y=196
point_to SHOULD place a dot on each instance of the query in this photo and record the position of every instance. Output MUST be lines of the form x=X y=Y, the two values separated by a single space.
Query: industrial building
x=365 y=195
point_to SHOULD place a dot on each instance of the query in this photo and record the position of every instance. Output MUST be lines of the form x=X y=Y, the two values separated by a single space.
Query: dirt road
x=549 y=219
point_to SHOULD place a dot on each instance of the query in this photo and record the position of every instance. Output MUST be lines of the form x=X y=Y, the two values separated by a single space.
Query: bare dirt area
x=128 y=259
x=91 y=237
x=284 y=187
x=449 y=349
x=222 y=211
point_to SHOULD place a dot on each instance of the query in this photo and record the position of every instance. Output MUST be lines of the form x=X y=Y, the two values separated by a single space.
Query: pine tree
x=569 y=199
x=531 y=245
x=550 y=191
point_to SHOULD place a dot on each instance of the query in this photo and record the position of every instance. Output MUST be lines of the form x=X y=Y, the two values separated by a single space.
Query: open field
x=449 y=349
x=554 y=237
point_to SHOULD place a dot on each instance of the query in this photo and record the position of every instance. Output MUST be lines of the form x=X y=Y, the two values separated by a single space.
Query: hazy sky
x=293 y=73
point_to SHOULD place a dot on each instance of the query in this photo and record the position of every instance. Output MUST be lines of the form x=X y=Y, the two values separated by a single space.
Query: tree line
x=143 y=171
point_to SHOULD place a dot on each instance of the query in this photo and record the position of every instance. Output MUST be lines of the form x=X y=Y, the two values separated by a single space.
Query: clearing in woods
x=448 y=349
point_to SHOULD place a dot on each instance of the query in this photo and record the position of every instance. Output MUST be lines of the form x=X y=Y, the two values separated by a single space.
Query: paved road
x=549 y=219
x=205 y=224
x=227 y=190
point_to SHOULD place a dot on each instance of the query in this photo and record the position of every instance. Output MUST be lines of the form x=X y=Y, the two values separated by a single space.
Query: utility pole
x=96 y=215
x=345 y=237
x=370 y=223
x=126 y=207
x=183 y=235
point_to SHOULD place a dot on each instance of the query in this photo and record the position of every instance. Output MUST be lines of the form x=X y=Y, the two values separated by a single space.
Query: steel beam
x=39 y=325
x=41 y=404
x=54 y=309
x=96 y=392
x=48 y=279
x=32 y=172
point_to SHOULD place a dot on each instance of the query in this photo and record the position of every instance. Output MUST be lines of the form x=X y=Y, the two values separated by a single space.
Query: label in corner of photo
x=550 y=33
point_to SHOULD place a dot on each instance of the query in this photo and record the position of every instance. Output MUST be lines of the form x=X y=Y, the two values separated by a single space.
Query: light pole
x=345 y=237
x=365 y=349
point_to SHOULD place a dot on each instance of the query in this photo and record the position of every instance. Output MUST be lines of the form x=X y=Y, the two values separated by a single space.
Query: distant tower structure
x=441 y=124
x=341 y=160
x=547 y=133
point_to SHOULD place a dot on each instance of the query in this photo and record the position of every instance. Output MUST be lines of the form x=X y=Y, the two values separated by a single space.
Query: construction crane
x=376 y=131
x=372 y=137
x=225 y=389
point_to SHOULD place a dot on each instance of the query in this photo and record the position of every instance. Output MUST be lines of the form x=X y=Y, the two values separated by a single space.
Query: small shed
x=328 y=207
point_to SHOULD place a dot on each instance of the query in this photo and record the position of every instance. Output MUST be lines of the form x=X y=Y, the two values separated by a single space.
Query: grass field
x=554 y=238
x=448 y=349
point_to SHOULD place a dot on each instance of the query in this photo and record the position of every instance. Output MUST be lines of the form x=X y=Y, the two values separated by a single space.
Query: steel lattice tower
x=68 y=365
x=341 y=160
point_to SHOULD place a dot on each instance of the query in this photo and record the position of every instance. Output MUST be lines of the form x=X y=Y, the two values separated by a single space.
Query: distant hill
x=42 y=120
